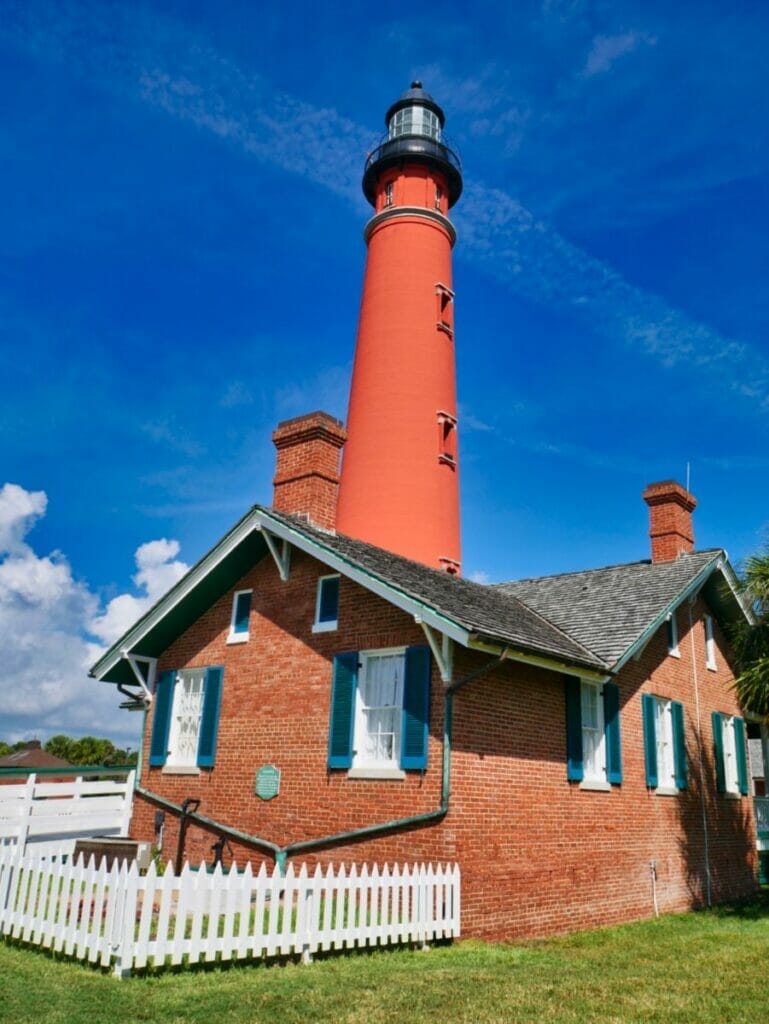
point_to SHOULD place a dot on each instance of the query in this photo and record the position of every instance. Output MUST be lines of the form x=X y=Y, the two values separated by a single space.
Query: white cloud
x=158 y=571
x=48 y=621
x=479 y=576
x=18 y=511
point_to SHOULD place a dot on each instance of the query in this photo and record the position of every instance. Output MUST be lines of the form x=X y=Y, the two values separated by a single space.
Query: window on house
x=594 y=756
x=241 y=611
x=710 y=645
x=729 y=754
x=593 y=747
x=379 y=711
x=186 y=718
x=672 y=631
x=664 y=743
x=326 y=604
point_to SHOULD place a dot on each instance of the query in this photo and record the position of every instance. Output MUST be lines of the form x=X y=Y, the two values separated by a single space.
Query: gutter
x=281 y=853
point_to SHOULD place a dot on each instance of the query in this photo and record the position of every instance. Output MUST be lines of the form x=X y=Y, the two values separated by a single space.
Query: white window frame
x=594 y=770
x=176 y=761
x=672 y=632
x=367 y=767
x=664 y=740
x=710 y=645
x=729 y=747
x=332 y=624
x=232 y=636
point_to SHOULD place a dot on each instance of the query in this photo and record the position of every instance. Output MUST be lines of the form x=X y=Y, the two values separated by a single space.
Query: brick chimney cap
x=309 y=418
x=669 y=491
x=313 y=425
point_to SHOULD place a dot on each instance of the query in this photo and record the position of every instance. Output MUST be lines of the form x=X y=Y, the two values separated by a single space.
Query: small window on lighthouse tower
x=388 y=194
x=445 y=311
x=447 y=438
x=438 y=197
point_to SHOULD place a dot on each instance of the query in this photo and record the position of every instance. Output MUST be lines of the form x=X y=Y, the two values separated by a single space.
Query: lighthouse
x=399 y=486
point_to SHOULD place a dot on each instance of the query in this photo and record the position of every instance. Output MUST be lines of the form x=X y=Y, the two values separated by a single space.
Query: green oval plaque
x=268 y=782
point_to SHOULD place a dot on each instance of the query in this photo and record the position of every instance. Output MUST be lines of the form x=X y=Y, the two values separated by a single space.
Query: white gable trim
x=720 y=564
x=260 y=520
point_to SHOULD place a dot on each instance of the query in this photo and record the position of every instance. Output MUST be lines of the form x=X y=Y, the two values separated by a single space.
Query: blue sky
x=181 y=260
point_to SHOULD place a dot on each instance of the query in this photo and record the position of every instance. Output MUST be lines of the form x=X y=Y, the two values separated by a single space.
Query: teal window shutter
x=679 y=744
x=574 y=767
x=209 y=719
x=718 y=751
x=650 y=741
x=340 y=733
x=416 y=709
x=161 y=720
x=613 y=740
x=742 y=763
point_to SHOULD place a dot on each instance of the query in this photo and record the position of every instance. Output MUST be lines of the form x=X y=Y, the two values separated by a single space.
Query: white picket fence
x=54 y=815
x=120 y=917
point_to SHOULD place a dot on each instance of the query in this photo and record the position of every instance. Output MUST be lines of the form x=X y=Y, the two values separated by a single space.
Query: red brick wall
x=538 y=854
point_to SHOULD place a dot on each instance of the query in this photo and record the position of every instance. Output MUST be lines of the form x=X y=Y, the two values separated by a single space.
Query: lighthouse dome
x=414 y=135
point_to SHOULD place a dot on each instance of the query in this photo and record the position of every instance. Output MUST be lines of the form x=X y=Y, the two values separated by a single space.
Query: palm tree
x=751 y=642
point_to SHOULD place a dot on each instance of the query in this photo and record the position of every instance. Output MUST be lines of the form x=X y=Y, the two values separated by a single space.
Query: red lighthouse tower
x=399 y=486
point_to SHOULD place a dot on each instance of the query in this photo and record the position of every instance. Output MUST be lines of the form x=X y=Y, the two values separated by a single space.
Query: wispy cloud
x=167 y=432
x=235 y=394
x=327 y=390
x=606 y=50
x=159 y=62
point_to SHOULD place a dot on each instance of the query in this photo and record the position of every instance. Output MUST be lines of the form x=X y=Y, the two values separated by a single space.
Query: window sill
x=666 y=791
x=394 y=774
x=732 y=796
x=674 y=652
x=711 y=668
x=237 y=638
x=598 y=785
x=325 y=627
x=169 y=769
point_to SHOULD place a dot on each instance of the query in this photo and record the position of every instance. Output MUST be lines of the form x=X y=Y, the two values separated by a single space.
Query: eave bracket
x=280 y=551
x=147 y=683
x=442 y=647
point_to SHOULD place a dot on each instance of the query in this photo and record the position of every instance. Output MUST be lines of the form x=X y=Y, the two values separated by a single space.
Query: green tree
x=751 y=642
x=59 y=746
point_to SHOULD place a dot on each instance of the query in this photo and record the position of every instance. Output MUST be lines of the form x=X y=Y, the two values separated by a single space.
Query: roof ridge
x=603 y=568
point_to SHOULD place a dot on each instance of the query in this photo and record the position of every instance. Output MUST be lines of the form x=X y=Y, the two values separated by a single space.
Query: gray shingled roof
x=609 y=609
x=489 y=611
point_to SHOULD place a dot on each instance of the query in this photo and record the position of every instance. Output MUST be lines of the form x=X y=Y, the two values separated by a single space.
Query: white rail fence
x=54 y=815
x=119 y=917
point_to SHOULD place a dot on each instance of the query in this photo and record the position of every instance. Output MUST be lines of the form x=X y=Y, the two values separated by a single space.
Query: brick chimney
x=307 y=469
x=670 y=520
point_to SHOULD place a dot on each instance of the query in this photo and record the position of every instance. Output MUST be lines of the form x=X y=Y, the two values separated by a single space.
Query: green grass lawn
x=691 y=968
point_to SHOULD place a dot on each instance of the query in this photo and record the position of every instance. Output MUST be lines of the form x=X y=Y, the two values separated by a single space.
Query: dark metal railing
x=406 y=145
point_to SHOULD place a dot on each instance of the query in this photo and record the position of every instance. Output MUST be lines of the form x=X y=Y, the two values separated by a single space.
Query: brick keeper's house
x=329 y=688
